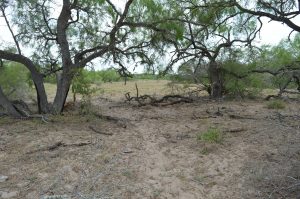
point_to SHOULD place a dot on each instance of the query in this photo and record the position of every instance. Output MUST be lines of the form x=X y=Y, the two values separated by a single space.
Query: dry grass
x=117 y=90
x=150 y=87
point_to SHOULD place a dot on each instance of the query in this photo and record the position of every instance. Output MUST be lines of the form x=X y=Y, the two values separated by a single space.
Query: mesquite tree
x=211 y=30
x=64 y=36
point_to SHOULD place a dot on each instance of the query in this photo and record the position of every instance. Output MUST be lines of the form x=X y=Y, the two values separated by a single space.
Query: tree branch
x=10 y=29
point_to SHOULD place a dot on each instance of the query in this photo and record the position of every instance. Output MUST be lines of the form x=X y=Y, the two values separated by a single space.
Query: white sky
x=271 y=33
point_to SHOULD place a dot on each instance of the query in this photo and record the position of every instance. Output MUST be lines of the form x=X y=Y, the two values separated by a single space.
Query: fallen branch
x=99 y=132
x=235 y=130
x=58 y=145
x=195 y=117
x=120 y=121
x=242 y=117
x=164 y=101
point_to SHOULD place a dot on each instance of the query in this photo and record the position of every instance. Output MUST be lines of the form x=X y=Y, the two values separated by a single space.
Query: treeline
x=244 y=73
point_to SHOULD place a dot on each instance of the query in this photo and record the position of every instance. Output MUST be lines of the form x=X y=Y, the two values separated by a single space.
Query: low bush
x=276 y=104
x=15 y=80
x=212 y=135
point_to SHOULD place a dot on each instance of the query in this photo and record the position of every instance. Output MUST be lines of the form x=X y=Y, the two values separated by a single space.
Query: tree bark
x=63 y=86
x=65 y=79
x=215 y=80
x=43 y=105
x=7 y=105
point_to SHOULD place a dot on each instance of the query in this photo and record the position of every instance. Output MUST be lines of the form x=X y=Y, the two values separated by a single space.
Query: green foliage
x=15 y=80
x=148 y=76
x=82 y=85
x=276 y=104
x=50 y=79
x=109 y=75
x=92 y=77
x=284 y=55
x=250 y=85
x=97 y=77
x=212 y=135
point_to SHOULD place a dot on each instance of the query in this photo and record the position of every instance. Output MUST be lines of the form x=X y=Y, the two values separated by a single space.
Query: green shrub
x=82 y=85
x=51 y=79
x=149 y=76
x=212 y=135
x=249 y=86
x=276 y=104
x=15 y=80
x=109 y=75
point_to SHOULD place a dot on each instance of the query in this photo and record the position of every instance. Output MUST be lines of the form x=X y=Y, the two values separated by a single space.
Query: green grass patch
x=212 y=135
x=276 y=104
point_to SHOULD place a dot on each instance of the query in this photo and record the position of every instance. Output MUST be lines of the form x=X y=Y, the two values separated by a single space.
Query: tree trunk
x=63 y=85
x=215 y=80
x=7 y=105
x=43 y=105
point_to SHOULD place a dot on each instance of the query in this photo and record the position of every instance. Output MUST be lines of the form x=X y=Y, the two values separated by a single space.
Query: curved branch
x=281 y=18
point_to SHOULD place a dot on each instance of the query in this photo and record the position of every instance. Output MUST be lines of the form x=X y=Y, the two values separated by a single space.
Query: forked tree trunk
x=7 y=105
x=215 y=80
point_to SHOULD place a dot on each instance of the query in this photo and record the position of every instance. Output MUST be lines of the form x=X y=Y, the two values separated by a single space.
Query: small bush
x=82 y=85
x=212 y=135
x=108 y=75
x=15 y=81
x=276 y=104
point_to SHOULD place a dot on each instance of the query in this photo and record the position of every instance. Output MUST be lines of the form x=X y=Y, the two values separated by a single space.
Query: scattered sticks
x=167 y=100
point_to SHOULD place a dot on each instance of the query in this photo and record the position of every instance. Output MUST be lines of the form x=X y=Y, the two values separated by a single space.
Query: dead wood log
x=58 y=145
x=242 y=117
x=120 y=121
x=99 y=132
x=235 y=130
x=164 y=101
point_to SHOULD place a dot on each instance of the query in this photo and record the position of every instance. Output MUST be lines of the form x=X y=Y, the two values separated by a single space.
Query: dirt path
x=154 y=153
x=174 y=164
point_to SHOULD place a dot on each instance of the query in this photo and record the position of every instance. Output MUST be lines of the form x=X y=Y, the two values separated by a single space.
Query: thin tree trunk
x=43 y=105
x=7 y=105
x=63 y=86
x=215 y=80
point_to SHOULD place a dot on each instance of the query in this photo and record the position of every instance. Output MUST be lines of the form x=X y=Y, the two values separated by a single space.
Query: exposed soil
x=154 y=152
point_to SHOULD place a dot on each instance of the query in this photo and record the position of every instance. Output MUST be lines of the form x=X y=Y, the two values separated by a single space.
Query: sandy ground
x=153 y=152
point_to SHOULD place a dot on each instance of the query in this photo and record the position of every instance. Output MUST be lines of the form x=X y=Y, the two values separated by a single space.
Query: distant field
x=117 y=90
